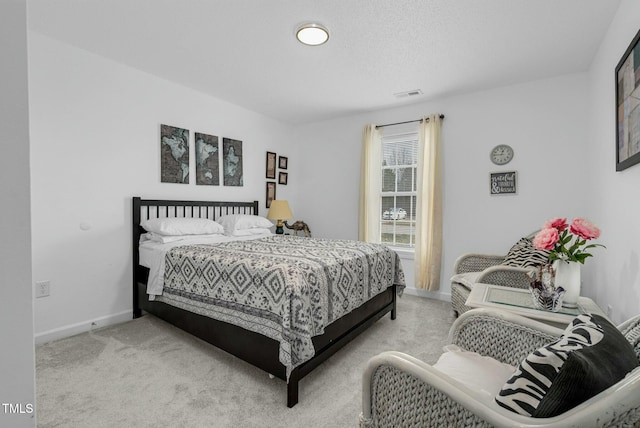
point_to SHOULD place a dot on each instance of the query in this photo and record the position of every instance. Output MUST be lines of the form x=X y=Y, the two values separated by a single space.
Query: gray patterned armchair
x=509 y=270
x=401 y=391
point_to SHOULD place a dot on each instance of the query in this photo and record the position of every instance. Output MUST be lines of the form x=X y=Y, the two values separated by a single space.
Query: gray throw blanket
x=287 y=288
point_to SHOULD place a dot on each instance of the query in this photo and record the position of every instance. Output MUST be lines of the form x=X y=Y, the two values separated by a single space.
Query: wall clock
x=501 y=154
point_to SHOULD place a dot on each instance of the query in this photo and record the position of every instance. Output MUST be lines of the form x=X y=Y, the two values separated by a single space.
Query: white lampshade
x=312 y=34
x=279 y=210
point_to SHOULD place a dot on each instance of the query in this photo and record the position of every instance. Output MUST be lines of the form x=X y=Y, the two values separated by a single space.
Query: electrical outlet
x=43 y=288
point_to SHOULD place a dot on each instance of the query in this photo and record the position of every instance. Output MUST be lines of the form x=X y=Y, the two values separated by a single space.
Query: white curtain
x=370 y=185
x=428 y=250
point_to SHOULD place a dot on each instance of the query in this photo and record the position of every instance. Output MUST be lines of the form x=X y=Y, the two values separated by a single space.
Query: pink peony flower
x=546 y=239
x=584 y=229
x=567 y=243
x=557 y=223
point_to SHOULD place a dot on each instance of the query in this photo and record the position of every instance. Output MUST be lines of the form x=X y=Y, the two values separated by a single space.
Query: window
x=398 y=193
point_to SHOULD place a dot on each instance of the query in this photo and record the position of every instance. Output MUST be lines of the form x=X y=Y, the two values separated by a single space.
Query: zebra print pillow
x=589 y=357
x=524 y=254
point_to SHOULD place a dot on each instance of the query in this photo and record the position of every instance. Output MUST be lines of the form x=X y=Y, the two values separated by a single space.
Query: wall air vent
x=411 y=93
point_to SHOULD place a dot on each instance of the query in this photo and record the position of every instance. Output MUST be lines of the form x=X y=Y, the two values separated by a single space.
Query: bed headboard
x=144 y=209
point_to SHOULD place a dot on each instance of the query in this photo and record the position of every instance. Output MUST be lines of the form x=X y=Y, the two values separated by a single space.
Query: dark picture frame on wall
x=283 y=162
x=232 y=173
x=207 y=159
x=174 y=154
x=283 y=178
x=271 y=165
x=503 y=183
x=628 y=107
x=270 y=195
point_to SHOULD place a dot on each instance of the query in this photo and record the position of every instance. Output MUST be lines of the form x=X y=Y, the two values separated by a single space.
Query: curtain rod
x=402 y=123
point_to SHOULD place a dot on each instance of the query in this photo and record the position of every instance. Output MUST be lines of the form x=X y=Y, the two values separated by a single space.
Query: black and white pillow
x=589 y=357
x=632 y=333
x=524 y=254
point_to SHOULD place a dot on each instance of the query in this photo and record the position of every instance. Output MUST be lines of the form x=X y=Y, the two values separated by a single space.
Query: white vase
x=568 y=277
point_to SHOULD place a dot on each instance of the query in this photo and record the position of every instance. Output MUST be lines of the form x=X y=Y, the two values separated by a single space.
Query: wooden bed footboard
x=254 y=348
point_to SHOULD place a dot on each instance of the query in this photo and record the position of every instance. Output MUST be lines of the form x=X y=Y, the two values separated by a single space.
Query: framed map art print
x=232 y=162
x=174 y=154
x=207 y=160
x=628 y=107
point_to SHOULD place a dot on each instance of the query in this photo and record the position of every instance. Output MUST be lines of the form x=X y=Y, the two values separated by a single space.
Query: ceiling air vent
x=411 y=93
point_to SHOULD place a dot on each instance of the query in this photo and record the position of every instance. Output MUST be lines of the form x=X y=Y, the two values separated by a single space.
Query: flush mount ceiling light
x=312 y=34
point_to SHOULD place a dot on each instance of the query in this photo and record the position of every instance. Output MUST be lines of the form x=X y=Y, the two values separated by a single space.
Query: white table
x=519 y=301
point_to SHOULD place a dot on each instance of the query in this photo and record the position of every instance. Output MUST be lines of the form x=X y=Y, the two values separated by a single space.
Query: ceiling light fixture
x=312 y=34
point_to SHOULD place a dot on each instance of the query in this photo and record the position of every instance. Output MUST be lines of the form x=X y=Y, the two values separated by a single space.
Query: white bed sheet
x=152 y=256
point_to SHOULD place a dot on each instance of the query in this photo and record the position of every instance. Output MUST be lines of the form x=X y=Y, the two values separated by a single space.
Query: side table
x=519 y=301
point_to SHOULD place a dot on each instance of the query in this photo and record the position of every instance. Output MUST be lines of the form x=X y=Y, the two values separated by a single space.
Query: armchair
x=402 y=391
x=509 y=270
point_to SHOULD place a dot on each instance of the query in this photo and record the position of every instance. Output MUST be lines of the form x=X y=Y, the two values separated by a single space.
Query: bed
x=287 y=341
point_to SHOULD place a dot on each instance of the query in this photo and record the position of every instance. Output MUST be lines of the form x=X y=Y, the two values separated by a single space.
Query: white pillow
x=165 y=239
x=475 y=371
x=234 y=222
x=467 y=279
x=182 y=226
x=252 y=232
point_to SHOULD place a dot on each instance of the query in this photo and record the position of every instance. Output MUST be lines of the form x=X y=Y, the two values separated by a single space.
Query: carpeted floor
x=147 y=373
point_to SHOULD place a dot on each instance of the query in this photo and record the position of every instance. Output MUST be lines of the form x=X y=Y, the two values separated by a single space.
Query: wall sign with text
x=503 y=183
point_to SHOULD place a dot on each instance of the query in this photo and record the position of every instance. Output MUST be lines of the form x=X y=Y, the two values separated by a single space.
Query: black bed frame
x=251 y=347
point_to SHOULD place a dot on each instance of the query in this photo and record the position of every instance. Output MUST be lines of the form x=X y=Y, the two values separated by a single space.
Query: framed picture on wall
x=284 y=162
x=503 y=183
x=174 y=154
x=232 y=174
x=271 y=165
x=207 y=160
x=271 y=193
x=628 y=107
x=283 y=178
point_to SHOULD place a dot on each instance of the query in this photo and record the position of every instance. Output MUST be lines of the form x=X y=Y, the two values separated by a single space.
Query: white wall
x=544 y=121
x=16 y=313
x=95 y=127
x=95 y=144
x=614 y=195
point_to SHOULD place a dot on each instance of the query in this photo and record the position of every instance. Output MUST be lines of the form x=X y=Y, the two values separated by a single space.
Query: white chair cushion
x=477 y=372
x=467 y=279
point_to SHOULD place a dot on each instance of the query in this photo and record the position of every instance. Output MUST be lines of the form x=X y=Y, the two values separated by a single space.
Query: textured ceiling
x=244 y=51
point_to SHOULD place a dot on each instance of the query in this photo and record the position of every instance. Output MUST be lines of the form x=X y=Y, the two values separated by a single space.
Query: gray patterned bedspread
x=285 y=287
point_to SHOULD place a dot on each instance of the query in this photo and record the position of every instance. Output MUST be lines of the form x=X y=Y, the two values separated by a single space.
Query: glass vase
x=547 y=299
x=568 y=277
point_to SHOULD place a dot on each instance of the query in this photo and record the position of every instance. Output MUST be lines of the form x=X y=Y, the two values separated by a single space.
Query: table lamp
x=279 y=210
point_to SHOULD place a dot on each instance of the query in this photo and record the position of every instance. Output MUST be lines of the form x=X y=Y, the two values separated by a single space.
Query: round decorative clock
x=501 y=154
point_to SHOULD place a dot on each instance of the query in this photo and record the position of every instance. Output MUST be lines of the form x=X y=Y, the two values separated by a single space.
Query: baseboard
x=82 y=327
x=437 y=295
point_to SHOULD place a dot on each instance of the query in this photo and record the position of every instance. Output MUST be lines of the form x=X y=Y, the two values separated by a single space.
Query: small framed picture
x=283 y=178
x=503 y=183
x=283 y=162
x=271 y=193
x=271 y=165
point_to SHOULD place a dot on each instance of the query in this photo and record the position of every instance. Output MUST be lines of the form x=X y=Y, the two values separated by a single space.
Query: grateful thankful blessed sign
x=503 y=183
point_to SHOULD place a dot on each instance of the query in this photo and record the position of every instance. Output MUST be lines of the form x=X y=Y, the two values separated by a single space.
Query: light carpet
x=147 y=373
